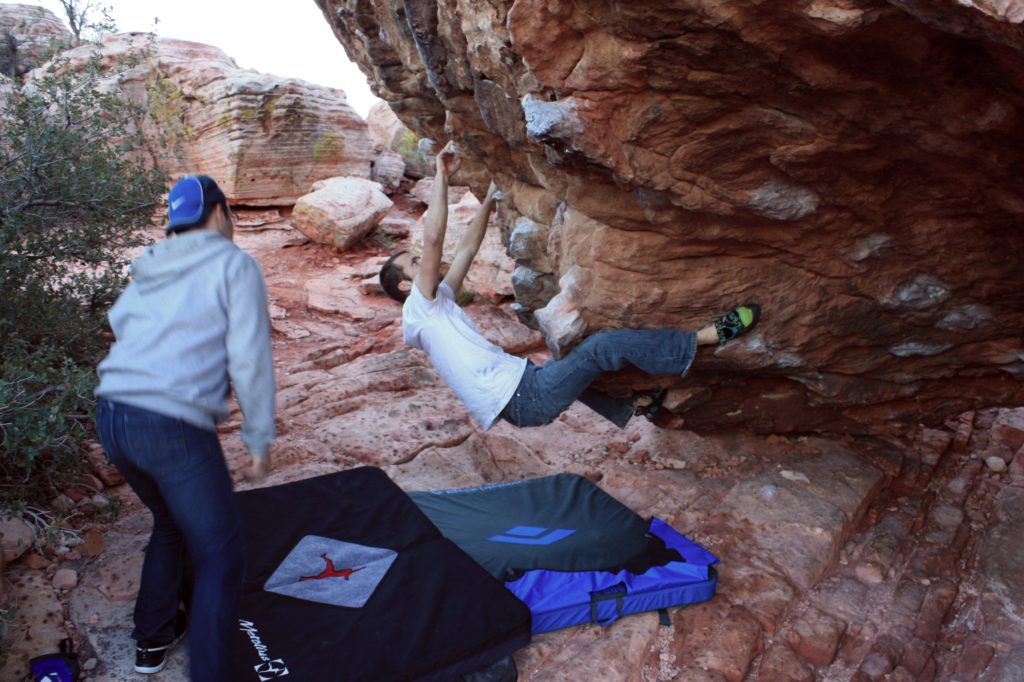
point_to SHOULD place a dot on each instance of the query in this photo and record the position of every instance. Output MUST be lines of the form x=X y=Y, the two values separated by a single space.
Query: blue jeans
x=547 y=391
x=178 y=471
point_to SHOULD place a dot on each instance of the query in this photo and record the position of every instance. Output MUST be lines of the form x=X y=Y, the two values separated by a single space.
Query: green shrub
x=75 y=193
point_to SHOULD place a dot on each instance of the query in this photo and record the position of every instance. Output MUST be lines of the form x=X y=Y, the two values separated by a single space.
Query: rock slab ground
x=840 y=560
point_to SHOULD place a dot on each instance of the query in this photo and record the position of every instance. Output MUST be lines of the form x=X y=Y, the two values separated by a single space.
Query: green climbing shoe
x=737 y=322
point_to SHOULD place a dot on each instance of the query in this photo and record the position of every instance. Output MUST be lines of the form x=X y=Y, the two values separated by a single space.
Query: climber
x=492 y=383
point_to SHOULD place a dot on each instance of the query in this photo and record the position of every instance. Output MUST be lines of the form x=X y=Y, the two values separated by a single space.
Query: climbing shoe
x=649 y=404
x=737 y=322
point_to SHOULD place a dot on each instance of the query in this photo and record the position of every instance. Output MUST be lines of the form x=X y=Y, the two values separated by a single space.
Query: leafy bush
x=75 y=192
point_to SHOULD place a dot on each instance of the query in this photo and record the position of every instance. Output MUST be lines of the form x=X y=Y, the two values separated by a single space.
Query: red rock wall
x=855 y=166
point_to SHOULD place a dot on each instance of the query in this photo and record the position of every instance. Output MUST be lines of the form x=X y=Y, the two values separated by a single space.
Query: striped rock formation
x=28 y=36
x=265 y=139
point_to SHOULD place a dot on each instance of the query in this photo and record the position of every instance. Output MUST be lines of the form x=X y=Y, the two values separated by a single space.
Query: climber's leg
x=547 y=391
x=616 y=410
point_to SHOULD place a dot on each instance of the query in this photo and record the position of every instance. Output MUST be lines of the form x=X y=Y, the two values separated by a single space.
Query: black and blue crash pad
x=346 y=580
x=570 y=551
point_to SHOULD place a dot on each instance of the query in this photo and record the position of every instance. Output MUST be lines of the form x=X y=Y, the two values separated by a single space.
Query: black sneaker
x=151 y=657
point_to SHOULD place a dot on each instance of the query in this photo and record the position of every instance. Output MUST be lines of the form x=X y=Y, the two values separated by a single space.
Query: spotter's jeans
x=546 y=391
x=178 y=471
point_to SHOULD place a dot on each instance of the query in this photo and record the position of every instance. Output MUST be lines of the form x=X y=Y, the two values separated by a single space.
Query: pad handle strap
x=615 y=592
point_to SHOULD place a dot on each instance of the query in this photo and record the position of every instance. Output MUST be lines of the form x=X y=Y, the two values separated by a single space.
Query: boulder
x=340 y=211
x=389 y=133
x=996 y=464
x=423 y=191
x=16 y=537
x=65 y=579
x=388 y=170
x=92 y=543
x=263 y=138
x=397 y=227
x=848 y=165
x=36 y=562
x=28 y=36
x=103 y=467
x=1008 y=429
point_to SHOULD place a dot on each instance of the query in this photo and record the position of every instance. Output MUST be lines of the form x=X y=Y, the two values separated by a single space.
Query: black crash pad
x=348 y=580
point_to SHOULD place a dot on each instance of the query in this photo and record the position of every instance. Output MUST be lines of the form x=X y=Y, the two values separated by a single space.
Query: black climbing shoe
x=649 y=404
x=737 y=322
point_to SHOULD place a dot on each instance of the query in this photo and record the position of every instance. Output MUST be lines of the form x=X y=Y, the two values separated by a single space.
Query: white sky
x=284 y=37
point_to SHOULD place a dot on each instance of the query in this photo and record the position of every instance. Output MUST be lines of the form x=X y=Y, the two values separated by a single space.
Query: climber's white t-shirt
x=480 y=373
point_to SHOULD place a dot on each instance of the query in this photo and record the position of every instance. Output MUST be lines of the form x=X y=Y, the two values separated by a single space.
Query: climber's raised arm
x=435 y=224
x=471 y=241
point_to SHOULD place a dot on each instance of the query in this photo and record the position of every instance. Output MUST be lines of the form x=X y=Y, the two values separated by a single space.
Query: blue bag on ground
x=61 y=667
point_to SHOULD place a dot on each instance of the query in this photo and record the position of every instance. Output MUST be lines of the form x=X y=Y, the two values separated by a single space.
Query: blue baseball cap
x=190 y=200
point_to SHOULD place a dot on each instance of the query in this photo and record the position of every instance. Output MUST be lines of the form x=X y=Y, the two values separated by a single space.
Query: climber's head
x=397 y=273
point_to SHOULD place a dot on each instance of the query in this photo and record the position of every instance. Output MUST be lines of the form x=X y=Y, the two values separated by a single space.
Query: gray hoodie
x=194 y=315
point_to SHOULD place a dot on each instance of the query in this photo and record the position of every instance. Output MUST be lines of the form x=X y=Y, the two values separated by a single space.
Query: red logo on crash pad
x=360 y=567
x=330 y=571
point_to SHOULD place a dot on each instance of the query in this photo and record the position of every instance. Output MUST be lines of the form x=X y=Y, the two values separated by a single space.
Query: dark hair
x=391 y=275
x=213 y=197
